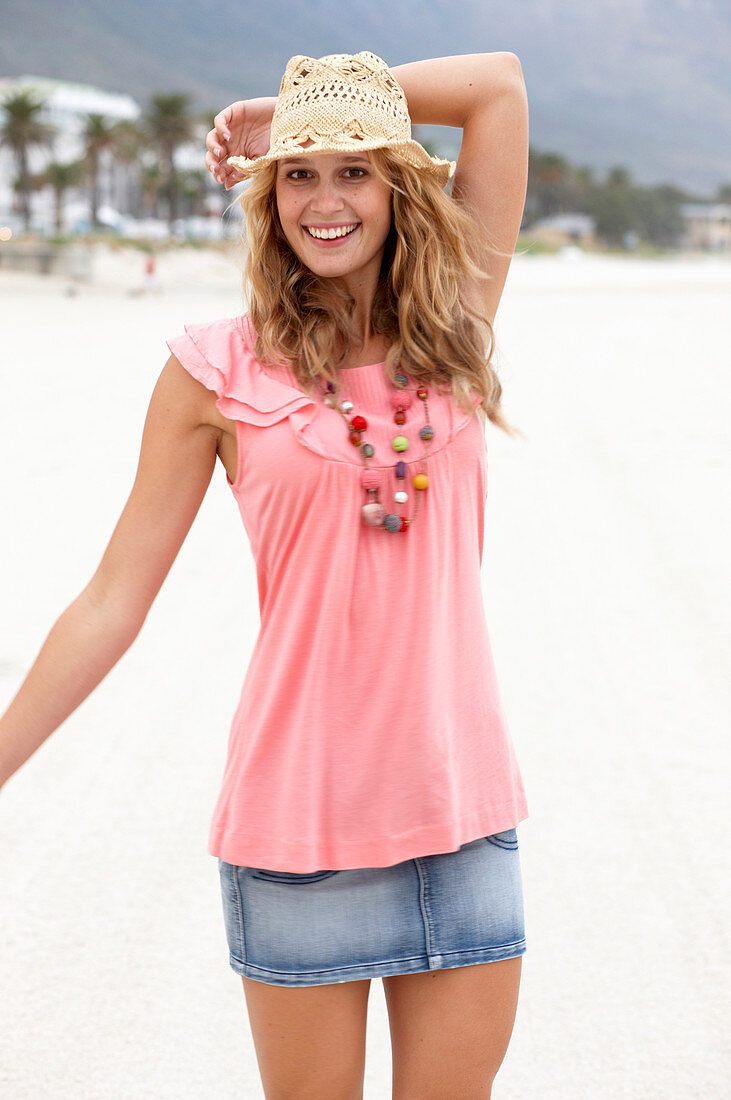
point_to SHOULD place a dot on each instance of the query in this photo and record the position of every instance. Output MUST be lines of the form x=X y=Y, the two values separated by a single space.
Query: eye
x=295 y=172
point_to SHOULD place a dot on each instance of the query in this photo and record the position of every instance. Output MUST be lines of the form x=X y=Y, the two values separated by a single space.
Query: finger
x=212 y=141
x=213 y=168
x=221 y=123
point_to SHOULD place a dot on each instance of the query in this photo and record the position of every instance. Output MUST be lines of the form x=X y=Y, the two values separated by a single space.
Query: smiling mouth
x=335 y=233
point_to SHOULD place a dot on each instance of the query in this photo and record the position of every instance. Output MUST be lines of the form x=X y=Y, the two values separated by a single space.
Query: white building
x=577 y=228
x=66 y=108
x=707 y=226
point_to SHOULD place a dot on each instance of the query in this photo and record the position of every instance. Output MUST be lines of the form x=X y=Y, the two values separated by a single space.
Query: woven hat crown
x=339 y=99
x=342 y=103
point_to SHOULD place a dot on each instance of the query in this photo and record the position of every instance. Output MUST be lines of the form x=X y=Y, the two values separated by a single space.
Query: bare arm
x=485 y=95
x=177 y=458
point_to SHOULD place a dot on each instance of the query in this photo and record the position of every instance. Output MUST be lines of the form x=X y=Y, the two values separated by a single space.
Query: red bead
x=355 y=439
x=359 y=423
x=422 y=392
x=404 y=524
x=399 y=418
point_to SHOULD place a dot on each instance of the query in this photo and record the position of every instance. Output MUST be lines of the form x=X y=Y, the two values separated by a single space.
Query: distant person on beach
x=366 y=825
x=149 y=282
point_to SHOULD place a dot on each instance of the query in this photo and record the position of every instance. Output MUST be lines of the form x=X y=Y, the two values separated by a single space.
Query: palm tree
x=194 y=189
x=618 y=176
x=21 y=129
x=170 y=123
x=98 y=134
x=130 y=141
x=548 y=175
x=152 y=185
x=61 y=177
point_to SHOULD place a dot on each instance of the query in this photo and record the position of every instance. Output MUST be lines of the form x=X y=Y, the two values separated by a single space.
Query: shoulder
x=204 y=358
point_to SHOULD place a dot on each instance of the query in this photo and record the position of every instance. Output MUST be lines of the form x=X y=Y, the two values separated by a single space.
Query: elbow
x=511 y=69
x=125 y=617
x=512 y=63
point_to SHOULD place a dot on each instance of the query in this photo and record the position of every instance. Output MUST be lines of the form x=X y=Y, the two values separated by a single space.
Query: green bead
x=400 y=443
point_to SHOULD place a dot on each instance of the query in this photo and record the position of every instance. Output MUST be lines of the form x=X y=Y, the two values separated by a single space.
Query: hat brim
x=411 y=151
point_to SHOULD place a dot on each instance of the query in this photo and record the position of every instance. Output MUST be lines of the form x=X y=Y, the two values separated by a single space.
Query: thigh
x=450 y=1028
x=310 y=1041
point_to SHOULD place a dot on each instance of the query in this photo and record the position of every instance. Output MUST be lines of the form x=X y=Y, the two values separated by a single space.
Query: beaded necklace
x=373 y=511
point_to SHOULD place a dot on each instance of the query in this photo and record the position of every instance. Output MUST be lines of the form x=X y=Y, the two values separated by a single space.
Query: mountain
x=644 y=83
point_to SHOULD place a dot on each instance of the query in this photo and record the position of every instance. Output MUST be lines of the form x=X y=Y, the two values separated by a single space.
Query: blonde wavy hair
x=436 y=335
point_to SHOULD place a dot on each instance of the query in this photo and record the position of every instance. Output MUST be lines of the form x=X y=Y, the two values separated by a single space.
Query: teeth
x=330 y=234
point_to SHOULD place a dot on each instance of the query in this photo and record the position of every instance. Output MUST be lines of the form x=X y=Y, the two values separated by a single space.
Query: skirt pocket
x=508 y=838
x=290 y=878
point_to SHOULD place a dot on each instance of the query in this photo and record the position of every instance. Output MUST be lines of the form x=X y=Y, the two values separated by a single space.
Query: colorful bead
x=373 y=514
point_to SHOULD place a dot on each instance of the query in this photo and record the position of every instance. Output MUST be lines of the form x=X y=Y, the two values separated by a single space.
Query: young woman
x=366 y=824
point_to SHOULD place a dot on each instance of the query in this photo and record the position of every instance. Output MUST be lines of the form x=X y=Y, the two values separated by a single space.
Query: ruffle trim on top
x=220 y=354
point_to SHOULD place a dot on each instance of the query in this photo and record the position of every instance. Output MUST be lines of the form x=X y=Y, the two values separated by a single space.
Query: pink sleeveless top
x=370 y=728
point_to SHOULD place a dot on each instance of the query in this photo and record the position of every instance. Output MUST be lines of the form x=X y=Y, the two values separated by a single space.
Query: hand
x=243 y=129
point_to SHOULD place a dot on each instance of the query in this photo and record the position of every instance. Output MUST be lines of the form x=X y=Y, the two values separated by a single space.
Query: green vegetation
x=619 y=207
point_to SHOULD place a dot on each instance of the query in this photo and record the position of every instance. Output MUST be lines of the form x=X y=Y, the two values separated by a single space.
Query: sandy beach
x=607 y=592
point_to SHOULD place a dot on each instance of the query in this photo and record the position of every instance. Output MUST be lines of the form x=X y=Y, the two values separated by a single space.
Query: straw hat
x=343 y=103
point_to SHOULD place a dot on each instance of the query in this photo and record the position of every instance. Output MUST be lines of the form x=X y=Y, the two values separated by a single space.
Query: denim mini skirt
x=428 y=913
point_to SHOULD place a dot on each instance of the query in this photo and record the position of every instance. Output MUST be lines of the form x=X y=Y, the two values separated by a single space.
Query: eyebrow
x=308 y=160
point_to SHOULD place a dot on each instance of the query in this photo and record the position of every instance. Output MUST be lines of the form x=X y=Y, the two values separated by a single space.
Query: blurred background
x=605 y=571
x=105 y=108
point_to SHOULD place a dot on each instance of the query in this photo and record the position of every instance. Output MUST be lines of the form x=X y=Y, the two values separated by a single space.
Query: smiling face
x=335 y=212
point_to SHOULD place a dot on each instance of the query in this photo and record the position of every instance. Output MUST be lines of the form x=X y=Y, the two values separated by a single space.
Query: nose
x=326 y=199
